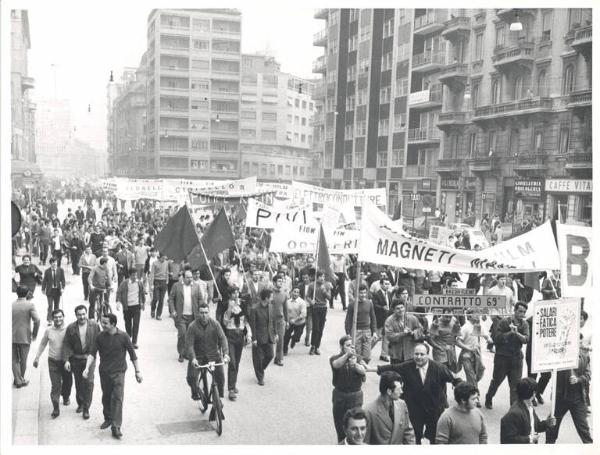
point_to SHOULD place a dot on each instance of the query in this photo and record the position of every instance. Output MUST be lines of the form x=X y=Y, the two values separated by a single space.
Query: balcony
x=425 y=63
x=534 y=162
x=225 y=94
x=506 y=58
x=320 y=38
x=425 y=99
x=455 y=76
x=27 y=83
x=457 y=28
x=580 y=98
x=420 y=170
x=508 y=14
x=174 y=112
x=423 y=135
x=579 y=160
x=321 y=13
x=173 y=70
x=450 y=165
x=320 y=65
x=450 y=119
x=225 y=134
x=513 y=108
x=429 y=23
x=482 y=164
x=582 y=41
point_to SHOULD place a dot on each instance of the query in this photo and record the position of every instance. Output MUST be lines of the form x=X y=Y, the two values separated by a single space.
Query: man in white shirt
x=339 y=265
x=502 y=289
x=296 y=308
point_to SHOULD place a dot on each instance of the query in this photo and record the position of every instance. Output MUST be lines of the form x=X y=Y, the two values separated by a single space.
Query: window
x=310 y=139
x=290 y=118
x=353 y=14
x=269 y=80
x=353 y=43
x=248 y=115
x=349 y=132
x=311 y=106
x=492 y=141
x=296 y=102
x=387 y=62
x=473 y=149
x=200 y=44
x=351 y=72
x=518 y=88
x=496 y=98
x=350 y=103
x=454 y=145
x=361 y=128
x=201 y=25
x=479 y=46
x=363 y=65
x=359 y=158
x=382 y=159
x=303 y=104
x=295 y=171
x=200 y=85
x=296 y=120
x=280 y=169
x=401 y=87
x=347 y=160
x=538 y=142
x=268 y=135
x=388 y=28
x=574 y=17
x=199 y=144
x=403 y=51
x=475 y=95
x=362 y=96
x=563 y=141
x=513 y=146
x=546 y=25
x=271 y=169
x=248 y=134
x=385 y=95
x=333 y=44
x=365 y=32
x=303 y=121
x=397 y=157
x=400 y=121
x=384 y=127
x=501 y=35
x=288 y=136
x=200 y=105
x=568 y=80
x=199 y=164
x=296 y=137
x=303 y=138
x=200 y=65
x=263 y=169
x=541 y=84
x=287 y=170
x=269 y=116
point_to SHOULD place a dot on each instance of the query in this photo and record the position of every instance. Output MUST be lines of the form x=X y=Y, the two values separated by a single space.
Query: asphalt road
x=294 y=407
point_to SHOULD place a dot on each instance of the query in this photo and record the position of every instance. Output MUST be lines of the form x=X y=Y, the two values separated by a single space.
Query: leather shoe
x=488 y=404
x=79 y=409
x=312 y=351
x=23 y=384
x=292 y=344
x=180 y=359
x=232 y=395
x=116 y=432
x=539 y=398
x=86 y=414
x=135 y=346
x=261 y=382
x=158 y=318
x=55 y=413
x=105 y=424
x=66 y=402
x=317 y=352
x=384 y=358
x=279 y=363
x=306 y=343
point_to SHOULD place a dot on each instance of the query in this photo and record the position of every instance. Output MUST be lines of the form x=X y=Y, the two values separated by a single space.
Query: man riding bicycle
x=100 y=285
x=205 y=342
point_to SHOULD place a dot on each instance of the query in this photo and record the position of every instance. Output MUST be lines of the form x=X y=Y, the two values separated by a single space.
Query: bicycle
x=101 y=306
x=206 y=397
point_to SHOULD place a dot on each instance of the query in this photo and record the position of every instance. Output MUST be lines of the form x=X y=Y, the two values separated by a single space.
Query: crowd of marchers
x=274 y=302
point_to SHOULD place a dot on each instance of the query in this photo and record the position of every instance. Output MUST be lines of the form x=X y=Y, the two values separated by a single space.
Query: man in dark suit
x=23 y=312
x=251 y=289
x=264 y=336
x=53 y=284
x=516 y=425
x=382 y=300
x=184 y=303
x=424 y=390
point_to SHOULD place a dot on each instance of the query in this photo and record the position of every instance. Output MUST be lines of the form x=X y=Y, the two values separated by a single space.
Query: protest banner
x=133 y=189
x=294 y=238
x=304 y=194
x=342 y=241
x=210 y=198
x=282 y=190
x=574 y=246
x=555 y=335
x=460 y=303
x=381 y=242
x=261 y=215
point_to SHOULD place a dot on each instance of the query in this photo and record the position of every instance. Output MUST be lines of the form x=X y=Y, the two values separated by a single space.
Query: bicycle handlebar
x=209 y=365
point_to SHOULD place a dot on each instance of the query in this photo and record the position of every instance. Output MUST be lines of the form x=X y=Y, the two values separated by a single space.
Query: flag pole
x=316 y=267
x=209 y=269
x=355 y=310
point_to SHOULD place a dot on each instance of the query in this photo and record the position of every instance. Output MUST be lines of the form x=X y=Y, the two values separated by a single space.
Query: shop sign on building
x=568 y=186
x=529 y=187
x=449 y=184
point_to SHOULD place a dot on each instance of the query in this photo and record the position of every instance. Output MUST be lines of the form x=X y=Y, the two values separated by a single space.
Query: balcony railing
x=454 y=75
x=321 y=13
x=579 y=160
x=513 y=108
x=458 y=117
x=521 y=53
x=423 y=134
x=319 y=65
x=450 y=165
x=583 y=35
x=530 y=162
x=456 y=27
x=580 y=98
x=432 y=20
x=174 y=68
x=427 y=97
x=438 y=58
x=419 y=171
x=320 y=38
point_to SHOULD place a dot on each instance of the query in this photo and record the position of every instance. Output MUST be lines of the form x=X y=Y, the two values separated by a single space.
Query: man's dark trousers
x=61 y=380
x=505 y=366
x=132 y=322
x=53 y=296
x=262 y=354
x=86 y=284
x=424 y=419
x=113 y=389
x=342 y=401
x=158 y=297
x=578 y=409
x=319 y=315
x=84 y=388
x=181 y=324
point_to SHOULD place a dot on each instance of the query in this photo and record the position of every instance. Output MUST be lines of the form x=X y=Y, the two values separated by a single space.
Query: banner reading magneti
x=304 y=194
x=383 y=243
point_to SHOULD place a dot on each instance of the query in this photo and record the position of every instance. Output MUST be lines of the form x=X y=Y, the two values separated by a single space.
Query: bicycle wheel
x=203 y=402
x=218 y=410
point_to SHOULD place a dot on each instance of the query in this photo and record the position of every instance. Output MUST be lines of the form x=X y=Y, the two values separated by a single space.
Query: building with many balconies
x=485 y=120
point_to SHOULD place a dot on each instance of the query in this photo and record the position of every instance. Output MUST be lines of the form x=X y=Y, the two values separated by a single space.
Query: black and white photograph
x=280 y=224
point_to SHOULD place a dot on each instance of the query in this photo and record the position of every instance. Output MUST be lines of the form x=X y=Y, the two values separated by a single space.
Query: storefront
x=451 y=199
x=469 y=191
x=523 y=199
x=570 y=198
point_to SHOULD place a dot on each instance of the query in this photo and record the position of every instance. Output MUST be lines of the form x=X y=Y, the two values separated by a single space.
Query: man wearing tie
x=52 y=287
x=381 y=302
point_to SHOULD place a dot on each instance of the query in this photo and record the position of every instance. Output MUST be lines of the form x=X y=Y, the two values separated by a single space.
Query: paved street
x=293 y=407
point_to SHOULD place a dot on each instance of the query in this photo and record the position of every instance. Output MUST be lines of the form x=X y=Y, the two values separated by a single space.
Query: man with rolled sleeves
x=79 y=339
x=112 y=345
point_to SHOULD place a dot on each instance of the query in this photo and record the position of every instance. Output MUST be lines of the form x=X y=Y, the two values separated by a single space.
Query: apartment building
x=193 y=93
x=453 y=109
x=276 y=133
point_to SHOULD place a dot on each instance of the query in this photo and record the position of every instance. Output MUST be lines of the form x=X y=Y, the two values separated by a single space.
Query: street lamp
x=516 y=25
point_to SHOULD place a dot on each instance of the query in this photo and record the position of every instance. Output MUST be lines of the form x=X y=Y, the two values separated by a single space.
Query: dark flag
x=178 y=237
x=217 y=238
x=323 y=259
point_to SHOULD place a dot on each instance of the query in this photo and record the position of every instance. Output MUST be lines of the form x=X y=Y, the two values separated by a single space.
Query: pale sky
x=74 y=46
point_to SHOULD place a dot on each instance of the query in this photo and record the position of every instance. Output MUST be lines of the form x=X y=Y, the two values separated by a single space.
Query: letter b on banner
x=578 y=250
x=574 y=243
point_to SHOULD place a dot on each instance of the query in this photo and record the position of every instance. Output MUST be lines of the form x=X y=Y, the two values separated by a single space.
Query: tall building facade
x=193 y=94
x=54 y=133
x=452 y=109
x=24 y=169
x=276 y=134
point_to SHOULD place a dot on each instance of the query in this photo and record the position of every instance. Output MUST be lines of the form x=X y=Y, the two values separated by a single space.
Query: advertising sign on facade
x=529 y=187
